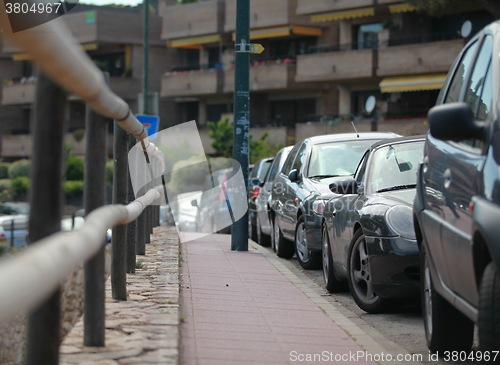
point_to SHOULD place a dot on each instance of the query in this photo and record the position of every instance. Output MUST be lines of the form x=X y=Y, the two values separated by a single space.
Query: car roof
x=351 y=136
x=390 y=141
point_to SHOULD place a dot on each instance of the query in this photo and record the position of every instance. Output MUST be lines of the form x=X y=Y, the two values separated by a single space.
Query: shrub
x=109 y=172
x=20 y=168
x=74 y=168
x=73 y=188
x=20 y=186
x=4 y=170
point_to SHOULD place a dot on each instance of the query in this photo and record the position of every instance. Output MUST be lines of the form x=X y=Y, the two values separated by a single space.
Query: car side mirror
x=454 y=122
x=194 y=203
x=293 y=175
x=344 y=186
x=255 y=181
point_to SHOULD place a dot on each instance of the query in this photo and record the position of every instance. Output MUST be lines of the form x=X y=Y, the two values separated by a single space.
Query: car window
x=478 y=94
x=264 y=169
x=287 y=167
x=300 y=158
x=461 y=72
x=274 y=167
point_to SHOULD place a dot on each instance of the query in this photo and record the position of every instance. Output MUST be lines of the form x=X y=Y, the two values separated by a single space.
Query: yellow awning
x=27 y=57
x=344 y=14
x=283 y=31
x=412 y=83
x=192 y=41
x=402 y=8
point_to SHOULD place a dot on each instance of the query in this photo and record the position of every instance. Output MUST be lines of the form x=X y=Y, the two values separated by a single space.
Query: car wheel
x=331 y=283
x=284 y=249
x=489 y=310
x=360 y=278
x=252 y=232
x=262 y=239
x=307 y=259
x=446 y=329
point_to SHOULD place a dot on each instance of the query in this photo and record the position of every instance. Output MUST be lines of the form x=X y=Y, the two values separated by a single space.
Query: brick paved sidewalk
x=144 y=329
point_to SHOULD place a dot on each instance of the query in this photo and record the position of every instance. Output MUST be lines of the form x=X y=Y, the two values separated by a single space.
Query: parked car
x=368 y=238
x=301 y=189
x=184 y=210
x=255 y=179
x=14 y=208
x=263 y=200
x=456 y=209
x=14 y=231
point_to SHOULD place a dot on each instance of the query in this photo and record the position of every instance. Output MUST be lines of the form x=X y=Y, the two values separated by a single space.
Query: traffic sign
x=150 y=122
x=256 y=48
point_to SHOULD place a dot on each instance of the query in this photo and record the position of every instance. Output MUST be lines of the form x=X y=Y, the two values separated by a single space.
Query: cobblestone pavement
x=144 y=329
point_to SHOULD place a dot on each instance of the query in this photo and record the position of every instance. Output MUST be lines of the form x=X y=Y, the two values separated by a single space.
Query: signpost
x=150 y=122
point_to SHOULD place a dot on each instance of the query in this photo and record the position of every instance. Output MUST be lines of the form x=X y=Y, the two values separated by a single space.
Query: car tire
x=446 y=328
x=252 y=231
x=284 y=249
x=307 y=258
x=332 y=284
x=262 y=239
x=359 y=278
x=489 y=310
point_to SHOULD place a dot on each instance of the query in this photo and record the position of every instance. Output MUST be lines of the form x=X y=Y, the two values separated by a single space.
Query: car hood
x=404 y=197
x=321 y=186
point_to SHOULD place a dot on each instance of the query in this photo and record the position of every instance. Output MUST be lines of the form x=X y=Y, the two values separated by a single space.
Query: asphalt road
x=403 y=327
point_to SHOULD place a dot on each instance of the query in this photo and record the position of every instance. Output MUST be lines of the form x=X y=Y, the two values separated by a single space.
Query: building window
x=367 y=36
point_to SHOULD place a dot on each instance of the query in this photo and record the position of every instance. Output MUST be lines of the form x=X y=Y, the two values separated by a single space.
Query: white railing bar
x=31 y=275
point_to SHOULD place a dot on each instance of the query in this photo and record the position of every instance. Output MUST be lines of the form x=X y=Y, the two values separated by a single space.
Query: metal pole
x=141 y=224
x=12 y=233
x=45 y=214
x=131 y=227
x=120 y=182
x=239 y=232
x=96 y=129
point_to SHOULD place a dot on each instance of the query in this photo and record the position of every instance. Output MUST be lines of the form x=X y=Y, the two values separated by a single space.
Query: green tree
x=222 y=134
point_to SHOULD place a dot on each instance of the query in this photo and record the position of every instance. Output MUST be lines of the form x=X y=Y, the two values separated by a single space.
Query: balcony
x=308 y=7
x=18 y=93
x=265 y=76
x=191 y=83
x=265 y=13
x=192 y=20
x=408 y=59
x=336 y=66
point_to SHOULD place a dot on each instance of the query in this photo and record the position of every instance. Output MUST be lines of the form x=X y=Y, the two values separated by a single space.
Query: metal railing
x=30 y=279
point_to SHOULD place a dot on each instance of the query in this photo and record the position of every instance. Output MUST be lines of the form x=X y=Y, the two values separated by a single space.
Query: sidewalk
x=223 y=307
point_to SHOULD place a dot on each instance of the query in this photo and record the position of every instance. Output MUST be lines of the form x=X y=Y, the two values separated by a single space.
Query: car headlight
x=318 y=206
x=400 y=220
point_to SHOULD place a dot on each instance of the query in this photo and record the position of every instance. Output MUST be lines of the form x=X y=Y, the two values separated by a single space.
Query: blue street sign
x=151 y=123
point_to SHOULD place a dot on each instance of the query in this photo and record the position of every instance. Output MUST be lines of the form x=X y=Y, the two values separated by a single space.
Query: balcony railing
x=423 y=38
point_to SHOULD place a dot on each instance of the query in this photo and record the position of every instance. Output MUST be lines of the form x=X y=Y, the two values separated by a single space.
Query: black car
x=301 y=189
x=368 y=239
x=255 y=179
x=456 y=209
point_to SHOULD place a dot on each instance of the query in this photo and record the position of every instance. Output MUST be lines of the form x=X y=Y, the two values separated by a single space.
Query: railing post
x=120 y=182
x=96 y=127
x=141 y=220
x=12 y=233
x=45 y=213
x=131 y=227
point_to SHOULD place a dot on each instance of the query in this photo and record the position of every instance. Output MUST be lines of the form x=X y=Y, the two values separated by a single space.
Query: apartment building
x=322 y=60
x=112 y=37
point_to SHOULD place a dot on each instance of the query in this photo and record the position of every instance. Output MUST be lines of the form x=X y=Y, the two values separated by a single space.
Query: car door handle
x=447 y=178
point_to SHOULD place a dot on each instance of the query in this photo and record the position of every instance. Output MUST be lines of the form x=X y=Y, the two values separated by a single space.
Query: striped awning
x=402 y=8
x=282 y=31
x=343 y=14
x=194 y=41
x=412 y=83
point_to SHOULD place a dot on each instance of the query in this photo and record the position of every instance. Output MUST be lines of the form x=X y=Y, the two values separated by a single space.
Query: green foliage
x=19 y=168
x=20 y=186
x=222 y=134
x=4 y=170
x=73 y=188
x=5 y=190
x=74 y=168
x=109 y=172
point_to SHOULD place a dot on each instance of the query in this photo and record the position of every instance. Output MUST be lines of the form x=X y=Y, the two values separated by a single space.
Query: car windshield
x=336 y=158
x=395 y=167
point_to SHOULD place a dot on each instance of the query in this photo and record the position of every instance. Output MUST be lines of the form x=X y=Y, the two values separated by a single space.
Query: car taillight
x=3 y=238
x=255 y=191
